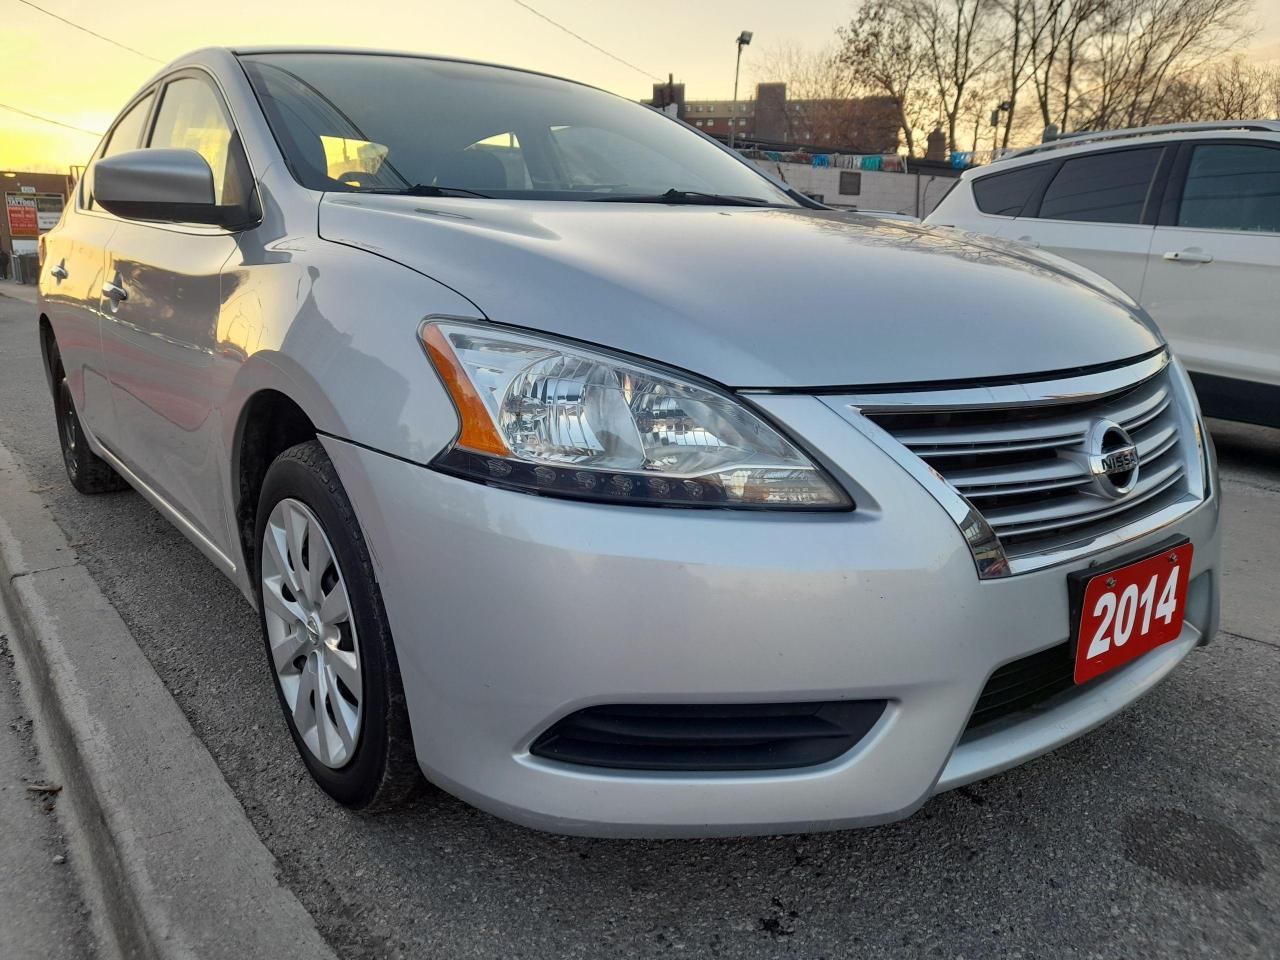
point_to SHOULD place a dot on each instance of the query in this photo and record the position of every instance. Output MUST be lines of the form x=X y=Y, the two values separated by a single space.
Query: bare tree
x=881 y=52
x=1029 y=26
x=1090 y=64
x=1145 y=48
x=959 y=47
x=1230 y=89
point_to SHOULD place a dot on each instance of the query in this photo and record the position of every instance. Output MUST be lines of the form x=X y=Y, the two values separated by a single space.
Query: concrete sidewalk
x=170 y=865
x=25 y=292
x=41 y=910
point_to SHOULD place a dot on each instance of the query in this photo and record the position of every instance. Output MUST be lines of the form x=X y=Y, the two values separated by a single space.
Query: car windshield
x=370 y=122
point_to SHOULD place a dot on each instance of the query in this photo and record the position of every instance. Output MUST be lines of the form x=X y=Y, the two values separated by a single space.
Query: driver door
x=162 y=299
x=1213 y=283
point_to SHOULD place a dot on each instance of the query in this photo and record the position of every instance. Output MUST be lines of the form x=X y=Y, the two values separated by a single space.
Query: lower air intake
x=1025 y=684
x=755 y=736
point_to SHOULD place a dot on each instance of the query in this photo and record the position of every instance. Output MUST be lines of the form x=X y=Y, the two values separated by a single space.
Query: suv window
x=1005 y=194
x=190 y=117
x=1108 y=187
x=1232 y=187
x=126 y=135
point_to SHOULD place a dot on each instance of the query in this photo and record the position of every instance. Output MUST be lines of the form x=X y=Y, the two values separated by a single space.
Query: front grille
x=1024 y=683
x=753 y=736
x=1022 y=467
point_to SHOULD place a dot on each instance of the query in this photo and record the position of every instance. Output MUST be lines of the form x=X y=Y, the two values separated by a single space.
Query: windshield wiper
x=427 y=190
x=685 y=196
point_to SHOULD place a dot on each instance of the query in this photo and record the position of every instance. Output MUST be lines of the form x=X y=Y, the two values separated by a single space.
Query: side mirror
x=169 y=186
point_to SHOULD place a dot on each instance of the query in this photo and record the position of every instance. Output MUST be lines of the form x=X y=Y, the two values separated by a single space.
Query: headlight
x=554 y=418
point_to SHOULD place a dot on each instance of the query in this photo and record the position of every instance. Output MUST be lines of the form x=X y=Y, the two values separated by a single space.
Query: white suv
x=1185 y=219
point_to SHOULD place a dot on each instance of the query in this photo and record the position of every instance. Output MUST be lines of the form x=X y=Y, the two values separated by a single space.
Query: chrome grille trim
x=1023 y=481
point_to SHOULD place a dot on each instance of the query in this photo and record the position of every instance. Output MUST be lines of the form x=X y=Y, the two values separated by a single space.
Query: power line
x=56 y=123
x=578 y=36
x=72 y=23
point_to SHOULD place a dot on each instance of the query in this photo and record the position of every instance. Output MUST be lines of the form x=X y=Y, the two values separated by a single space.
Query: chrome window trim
x=993 y=563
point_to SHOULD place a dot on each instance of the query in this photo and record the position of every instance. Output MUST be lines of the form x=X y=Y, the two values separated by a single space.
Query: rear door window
x=1232 y=187
x=1108 y=187
x=1005 y=194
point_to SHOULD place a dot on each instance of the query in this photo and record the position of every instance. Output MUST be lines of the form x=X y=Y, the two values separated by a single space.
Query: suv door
x=75 y=255
x=1213 y=283
x=160 y=328
x=1093 y=209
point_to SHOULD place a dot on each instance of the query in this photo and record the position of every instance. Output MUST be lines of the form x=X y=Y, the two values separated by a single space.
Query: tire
x=326 y=634
x=87 y=471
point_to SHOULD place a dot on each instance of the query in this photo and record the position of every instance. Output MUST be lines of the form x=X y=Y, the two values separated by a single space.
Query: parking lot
x=1156 y=836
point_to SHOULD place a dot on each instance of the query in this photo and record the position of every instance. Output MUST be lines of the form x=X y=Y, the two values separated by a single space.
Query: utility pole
x=744 y=39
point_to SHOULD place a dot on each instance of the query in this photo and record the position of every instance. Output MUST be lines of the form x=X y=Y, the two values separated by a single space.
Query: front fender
x=335 y=330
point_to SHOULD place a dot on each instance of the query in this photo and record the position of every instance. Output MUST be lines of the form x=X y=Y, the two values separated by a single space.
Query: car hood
x=754 y=297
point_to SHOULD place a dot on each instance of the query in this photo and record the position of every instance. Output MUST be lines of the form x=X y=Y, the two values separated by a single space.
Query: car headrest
x=472 y=169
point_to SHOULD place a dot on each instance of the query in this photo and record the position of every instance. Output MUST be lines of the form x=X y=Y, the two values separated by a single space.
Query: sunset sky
x=51 y=69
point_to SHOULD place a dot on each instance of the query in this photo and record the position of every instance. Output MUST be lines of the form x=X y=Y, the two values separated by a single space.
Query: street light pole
x=744 y=38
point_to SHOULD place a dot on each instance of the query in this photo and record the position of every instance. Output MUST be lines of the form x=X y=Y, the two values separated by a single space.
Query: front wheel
x=327 y=638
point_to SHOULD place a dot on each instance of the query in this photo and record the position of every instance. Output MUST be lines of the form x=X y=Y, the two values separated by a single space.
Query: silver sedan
x=577 y=464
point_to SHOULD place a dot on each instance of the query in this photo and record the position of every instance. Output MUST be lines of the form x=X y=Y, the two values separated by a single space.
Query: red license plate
x=1131 y=610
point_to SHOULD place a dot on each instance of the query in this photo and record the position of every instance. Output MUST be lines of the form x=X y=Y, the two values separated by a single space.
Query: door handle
x=1187 y=256
x=1029 y=241
x=59 y=272
x=114 y=292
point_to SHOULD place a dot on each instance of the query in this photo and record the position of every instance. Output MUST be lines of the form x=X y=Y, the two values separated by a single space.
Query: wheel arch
x=270 y=422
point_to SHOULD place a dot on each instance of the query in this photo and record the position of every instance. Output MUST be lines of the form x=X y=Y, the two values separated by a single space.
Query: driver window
x=191 y=117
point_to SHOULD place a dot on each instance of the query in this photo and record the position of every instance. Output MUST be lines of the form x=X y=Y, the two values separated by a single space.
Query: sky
x=52 y=69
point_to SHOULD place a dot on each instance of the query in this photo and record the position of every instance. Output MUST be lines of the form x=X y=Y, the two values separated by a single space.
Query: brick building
x=856 y=125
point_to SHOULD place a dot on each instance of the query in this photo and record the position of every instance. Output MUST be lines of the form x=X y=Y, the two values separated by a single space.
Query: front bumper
x=511 y=611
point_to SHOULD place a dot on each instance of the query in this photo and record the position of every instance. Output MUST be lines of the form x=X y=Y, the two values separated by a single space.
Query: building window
x=850 y=183
x=698 y=123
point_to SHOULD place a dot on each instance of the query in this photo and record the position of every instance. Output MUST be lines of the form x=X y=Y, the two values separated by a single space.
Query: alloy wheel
x=311 y=634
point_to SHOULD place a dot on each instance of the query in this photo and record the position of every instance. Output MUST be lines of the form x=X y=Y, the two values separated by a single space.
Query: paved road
x=1157 y=836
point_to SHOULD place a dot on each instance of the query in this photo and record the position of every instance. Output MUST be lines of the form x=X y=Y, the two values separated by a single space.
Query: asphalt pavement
x=1156 y=836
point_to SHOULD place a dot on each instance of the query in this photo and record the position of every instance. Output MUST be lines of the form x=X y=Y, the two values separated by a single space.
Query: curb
x=170 y=865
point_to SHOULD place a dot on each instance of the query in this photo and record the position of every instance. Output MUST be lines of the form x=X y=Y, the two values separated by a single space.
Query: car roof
x=256 y=50
x=1090 y=142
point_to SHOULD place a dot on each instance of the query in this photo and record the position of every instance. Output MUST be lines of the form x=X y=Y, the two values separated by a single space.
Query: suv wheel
x=327 y=638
